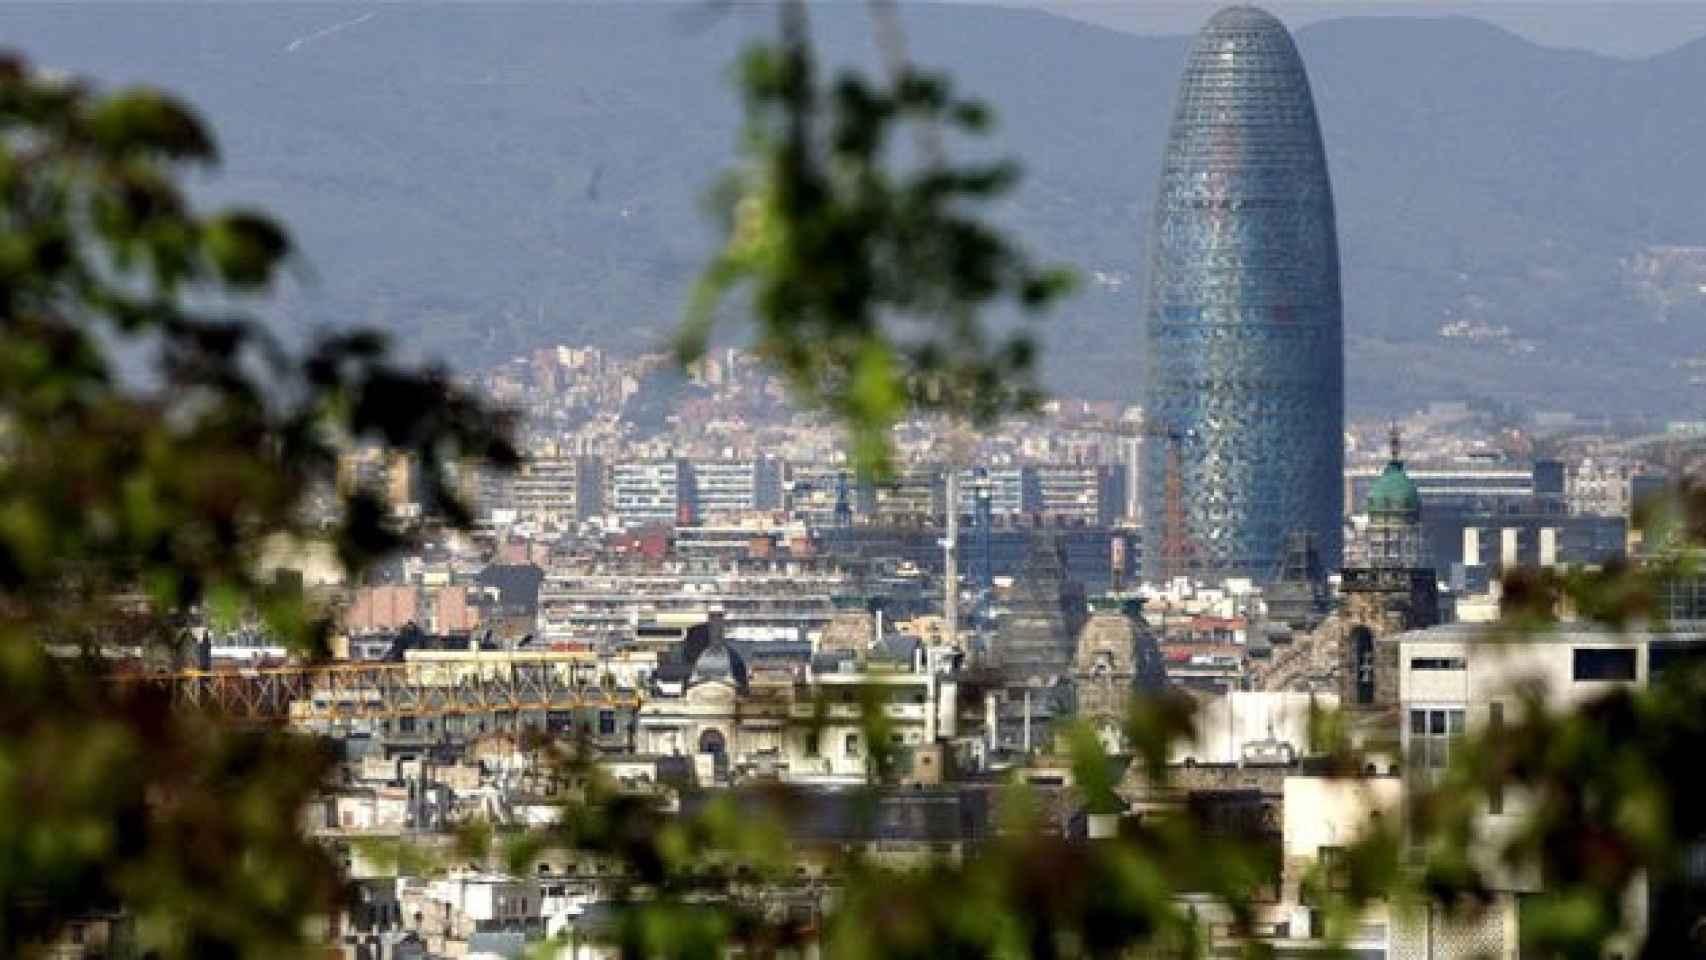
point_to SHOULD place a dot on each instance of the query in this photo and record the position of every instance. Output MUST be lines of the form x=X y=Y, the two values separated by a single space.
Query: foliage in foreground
x=126 y=500
x=868 y=286
x=1612 y=809
x=131 y=494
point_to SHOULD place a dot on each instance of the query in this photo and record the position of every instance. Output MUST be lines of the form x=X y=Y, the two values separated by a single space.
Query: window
x=1432 y=733
x=1362 y=643
x=606 y=722
x=811 y=743
x=1667 y=655
x=1437 y=663
x=852 y=744
x=1603 y=664
x=711 y=741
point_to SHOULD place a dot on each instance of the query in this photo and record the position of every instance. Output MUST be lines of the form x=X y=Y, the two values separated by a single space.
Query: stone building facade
x=1386 y=591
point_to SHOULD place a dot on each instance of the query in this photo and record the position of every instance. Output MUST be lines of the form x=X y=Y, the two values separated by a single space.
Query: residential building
x=1092 y=496
x=728 y=488
x=556 y=490
x=1009 y=491
x=643 y=492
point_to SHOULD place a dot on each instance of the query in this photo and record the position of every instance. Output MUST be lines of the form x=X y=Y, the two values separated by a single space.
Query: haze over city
x=852 y=479
x=420 y=150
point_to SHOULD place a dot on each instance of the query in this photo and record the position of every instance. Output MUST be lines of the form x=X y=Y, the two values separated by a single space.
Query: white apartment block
x=642 y=492
x=728 y=488
x=556 y=490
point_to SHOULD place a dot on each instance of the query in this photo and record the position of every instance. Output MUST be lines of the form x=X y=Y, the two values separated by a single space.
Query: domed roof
x=1394 y=493
x=720 y=662
x=1108 y=636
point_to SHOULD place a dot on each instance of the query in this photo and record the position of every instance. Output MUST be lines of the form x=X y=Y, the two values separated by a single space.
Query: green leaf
x=149 y=122
x=245 y=248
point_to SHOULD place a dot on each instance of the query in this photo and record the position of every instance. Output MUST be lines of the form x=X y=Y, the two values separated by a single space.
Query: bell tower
x=1387 y=587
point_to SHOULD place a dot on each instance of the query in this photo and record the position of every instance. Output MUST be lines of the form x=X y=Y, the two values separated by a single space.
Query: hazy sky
x=1622 y=28
x=1618 y=28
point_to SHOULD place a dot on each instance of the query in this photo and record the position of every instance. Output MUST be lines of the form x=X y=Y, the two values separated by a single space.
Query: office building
x=1245 y=356
x=819 y=495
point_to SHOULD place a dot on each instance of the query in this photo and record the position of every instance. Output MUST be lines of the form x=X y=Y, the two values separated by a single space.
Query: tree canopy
x=132 y=497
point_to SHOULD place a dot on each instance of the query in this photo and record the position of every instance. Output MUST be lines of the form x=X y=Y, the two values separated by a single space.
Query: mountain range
x=1521 y=227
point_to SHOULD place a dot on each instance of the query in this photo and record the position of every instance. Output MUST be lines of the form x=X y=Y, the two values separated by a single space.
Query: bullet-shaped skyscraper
x=1245 y=342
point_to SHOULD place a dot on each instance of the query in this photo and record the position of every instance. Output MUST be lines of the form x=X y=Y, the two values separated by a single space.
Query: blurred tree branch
x=867 y=281
x=130 y=500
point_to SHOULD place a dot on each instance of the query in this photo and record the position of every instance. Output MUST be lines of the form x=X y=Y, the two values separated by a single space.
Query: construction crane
x=1178 y=549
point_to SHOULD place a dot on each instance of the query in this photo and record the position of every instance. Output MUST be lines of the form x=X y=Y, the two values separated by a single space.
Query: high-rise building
x=550 y=488
x=727 y=488
x=1091 y=495
x=819 y=494
x=916 y=494
x=651 y=491
x=1008 y=491
x=1131 y=457
x=1245 y=358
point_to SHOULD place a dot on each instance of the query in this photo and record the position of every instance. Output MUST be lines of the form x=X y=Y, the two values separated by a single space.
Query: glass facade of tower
x=1245 y=352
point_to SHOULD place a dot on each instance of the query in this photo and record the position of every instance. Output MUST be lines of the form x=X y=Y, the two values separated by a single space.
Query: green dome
x=1394 y=493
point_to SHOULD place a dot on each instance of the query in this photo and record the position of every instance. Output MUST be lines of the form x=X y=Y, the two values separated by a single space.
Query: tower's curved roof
x=1244 y=177
x=1243 y=17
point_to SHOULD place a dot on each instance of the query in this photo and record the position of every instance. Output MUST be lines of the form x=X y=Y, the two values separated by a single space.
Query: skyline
x=1623 y=29
x=843 y=634
x=1470 y=238
x=1635 y=29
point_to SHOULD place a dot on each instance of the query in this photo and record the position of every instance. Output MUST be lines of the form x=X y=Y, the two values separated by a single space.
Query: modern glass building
x=1245 y=358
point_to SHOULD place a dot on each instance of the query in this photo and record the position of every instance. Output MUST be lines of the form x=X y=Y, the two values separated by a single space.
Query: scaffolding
x=377 y=691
